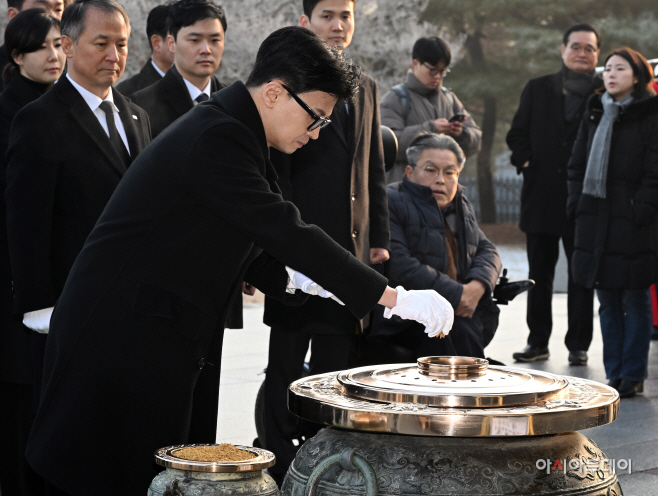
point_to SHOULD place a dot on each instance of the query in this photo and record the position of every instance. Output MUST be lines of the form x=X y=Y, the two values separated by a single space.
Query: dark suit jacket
x=197 y=213
x=338 y=183
x=14 y=336
x=62 y=171
x=540 y=134
x=3 y=62
x=168 y=99
x=143 y=79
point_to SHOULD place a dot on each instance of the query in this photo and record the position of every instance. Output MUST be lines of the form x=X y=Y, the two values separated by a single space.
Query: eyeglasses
x=436 y=71
x=431 y=172
x=318 y=122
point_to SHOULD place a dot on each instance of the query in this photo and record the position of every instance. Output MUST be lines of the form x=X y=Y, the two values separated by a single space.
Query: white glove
x=39 y=320
x=300 y=281
x=427 y=307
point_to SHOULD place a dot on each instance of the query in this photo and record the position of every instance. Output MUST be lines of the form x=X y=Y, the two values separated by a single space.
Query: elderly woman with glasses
x=436 y=244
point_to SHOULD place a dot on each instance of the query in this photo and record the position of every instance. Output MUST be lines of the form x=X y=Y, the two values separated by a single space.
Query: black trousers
x=543 y=253
x=285 y=365
x=16 y=416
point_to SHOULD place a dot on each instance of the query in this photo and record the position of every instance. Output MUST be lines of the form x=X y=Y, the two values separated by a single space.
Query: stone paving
x=634 y=435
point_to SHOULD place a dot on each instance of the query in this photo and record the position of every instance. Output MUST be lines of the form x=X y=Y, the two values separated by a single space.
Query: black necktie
x=202 y=98
x=115 y=139
x=341 y=113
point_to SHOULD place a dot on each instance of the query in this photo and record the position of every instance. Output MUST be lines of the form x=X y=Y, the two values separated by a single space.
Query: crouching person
x=436 y=243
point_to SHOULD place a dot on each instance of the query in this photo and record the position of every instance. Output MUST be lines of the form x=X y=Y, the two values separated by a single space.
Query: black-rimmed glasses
x=435 y=70
x=318 y=122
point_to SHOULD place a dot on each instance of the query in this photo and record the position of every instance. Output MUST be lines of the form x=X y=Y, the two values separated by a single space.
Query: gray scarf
x=597 y=164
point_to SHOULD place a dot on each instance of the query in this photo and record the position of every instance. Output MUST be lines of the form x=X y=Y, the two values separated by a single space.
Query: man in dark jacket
x=541 y=138
x=196 y=38
x=437 y=244
x=338 y=183
x=197 y=213
x=161 y=57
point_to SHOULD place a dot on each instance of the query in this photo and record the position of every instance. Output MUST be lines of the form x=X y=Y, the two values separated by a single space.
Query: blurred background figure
x=423 y=104
x=161 y=58
x=436 y=243
x=196 y=35
x=541 y=138
x=33 y=41
x=613 y=196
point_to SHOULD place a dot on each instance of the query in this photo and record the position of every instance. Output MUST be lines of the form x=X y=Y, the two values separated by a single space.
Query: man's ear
x=171 y=43
x=304 y=21
x=562 y=49
x=272 y=93
x=157 y=43
x=408 y=170
x=11 y=12
x=68 y=46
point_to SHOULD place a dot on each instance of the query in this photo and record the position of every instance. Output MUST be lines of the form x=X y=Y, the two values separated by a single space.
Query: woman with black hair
x=613 y=195
x=36 y=61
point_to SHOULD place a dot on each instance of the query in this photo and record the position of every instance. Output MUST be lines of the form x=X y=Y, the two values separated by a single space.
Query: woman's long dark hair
x=641 y=70
x=26 y=33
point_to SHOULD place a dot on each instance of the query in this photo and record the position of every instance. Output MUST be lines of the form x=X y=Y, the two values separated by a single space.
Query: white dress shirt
x=195 y=92
x=94 y=103
x=157 y=68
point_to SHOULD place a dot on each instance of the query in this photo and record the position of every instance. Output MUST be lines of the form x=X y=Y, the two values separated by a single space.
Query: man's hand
x=303 y=283
x=442 y=126
x=471 y=295
x=378 y=255
x=248 y=289
x=527 y=163
x=424 y=306
x=456 y=128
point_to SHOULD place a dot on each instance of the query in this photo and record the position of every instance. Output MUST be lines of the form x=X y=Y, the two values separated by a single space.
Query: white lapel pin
x=135 y=117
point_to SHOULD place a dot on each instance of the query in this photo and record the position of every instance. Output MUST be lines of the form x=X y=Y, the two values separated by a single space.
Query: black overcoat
x=62 y=170
x=615 y=245
x=143 y=79
x=168 y=99
x=541 y=135
x=148 y=294
x=338 y=183
x=14 y=336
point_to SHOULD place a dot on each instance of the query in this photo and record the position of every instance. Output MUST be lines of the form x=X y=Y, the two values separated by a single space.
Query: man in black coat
x=161 y=58
x=338 y=183
x=63 y=163
x=541 y=138
x=196 y=38
x=197 y=213
x=53 y=7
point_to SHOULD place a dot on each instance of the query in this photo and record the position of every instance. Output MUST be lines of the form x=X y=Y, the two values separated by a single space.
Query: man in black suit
x=196 y=38
x=338 y=183
x=67 y=152
x=53 y=7
x=541 y=138
x=161 y=58
x=142 y=312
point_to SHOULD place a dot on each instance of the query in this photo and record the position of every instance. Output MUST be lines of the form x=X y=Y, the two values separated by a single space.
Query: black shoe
x=654 y=333
x=495 y=362
x=530 y=354
x=578 y=357
x=628 y=389
x=614 y=383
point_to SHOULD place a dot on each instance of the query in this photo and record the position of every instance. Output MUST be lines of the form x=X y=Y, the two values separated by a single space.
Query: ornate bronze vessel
x=451 y=425
x=196 y=478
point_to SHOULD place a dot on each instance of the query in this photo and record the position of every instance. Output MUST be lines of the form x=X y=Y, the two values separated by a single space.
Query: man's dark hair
x=187 y=12
x=17 y=4
x=433 y=51
x=309 y=5
x=304 y=62
x=156 y=22
x=641 y=70
x=26 y=33
x=73 y=18
x=583 y=26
